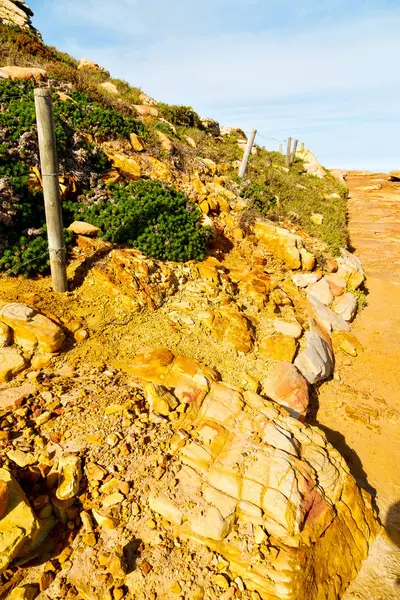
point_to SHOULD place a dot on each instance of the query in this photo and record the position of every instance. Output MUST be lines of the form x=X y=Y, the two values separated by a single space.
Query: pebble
x=221 y=581
x=112 y=440
x=45 y=580
x=113 y=499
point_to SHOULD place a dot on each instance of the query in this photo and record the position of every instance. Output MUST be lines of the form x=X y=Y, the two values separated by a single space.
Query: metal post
x=288 y=151
x=247 y=152
x=51 y=189
x=294 y=151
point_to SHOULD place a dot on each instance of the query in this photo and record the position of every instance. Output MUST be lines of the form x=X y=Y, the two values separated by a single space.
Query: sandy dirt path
x=370 y=383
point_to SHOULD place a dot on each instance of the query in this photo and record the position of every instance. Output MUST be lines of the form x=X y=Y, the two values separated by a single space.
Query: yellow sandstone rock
x=279 y=242
x=278 y=347
x=32 y=330
x=18 y=526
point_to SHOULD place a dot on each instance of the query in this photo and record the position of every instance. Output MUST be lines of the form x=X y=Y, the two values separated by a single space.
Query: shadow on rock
x=392 y=524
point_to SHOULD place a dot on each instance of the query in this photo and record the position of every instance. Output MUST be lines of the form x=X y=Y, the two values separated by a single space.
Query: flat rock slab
x=10 y=396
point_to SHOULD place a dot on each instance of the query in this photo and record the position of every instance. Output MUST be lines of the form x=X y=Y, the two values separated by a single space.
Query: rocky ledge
x=16 y=12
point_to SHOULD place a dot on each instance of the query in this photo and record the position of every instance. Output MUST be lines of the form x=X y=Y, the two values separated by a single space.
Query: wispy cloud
x=285 y=66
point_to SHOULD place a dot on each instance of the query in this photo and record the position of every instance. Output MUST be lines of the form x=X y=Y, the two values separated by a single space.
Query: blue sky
x=325 y=72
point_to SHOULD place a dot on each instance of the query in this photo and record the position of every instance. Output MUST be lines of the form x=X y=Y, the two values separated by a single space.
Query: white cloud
x=263 y=79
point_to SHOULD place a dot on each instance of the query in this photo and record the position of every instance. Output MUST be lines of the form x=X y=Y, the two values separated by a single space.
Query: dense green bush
x=161 y=222
x=180 y=115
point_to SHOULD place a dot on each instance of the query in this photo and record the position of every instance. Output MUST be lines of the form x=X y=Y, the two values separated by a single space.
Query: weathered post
x=288 y=151
x=247 y=152
x=302 y=145
x=294 y=151
x=280 y=149
x=51 y=189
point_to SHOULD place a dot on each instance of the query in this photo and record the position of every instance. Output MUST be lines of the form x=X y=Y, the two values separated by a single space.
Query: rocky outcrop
x=269 y=494
x=16 y=12
x=12 y=72
x=311 y=164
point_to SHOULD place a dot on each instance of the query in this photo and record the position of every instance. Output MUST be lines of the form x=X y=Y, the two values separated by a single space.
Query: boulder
x=136 y=142
x=110 y=87
x=315 y=363
x=234 y=131
x=130 y=165
x=304 y=279
x=166 y=143
x=278 y=347
x=339 y=175
x=24 y=73
x=32 y=330
x=249 y=466
x=5 y=335
x=350 y=269
x=190 y=141
x=145 y=110
x=86 y=64
x=280 y=242
x=211 y=126
x=16 y=12
x=347 y=342
x=25 y=592
x=346 y=306
x=325 y=317
x=11 y=363
x=311 y=164
x=290 y=328
x=307 y=260
x=336 y=283
x=394 y=176
x=321 y=291
x=82 y=228
x=228 y=325
x=286 y=386
x=18 y=525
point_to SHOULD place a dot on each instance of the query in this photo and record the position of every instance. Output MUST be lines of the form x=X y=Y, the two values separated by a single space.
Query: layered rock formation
x=269 y=494
x=16 y=12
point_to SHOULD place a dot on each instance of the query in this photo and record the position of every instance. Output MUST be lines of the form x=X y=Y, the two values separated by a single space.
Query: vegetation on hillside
x=89 y=114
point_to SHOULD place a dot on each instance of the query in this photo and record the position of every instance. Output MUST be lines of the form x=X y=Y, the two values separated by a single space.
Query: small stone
x=104 y=522
x=304 y=279
x=347 y=342
x=145 y=567
x=124 y=488
x=94 y=472
x=89 y=539
x=81 y=335
x=221 y=581
x=290 y=328
x=228 y=594
x=176 y=588
x=346 y=306
x=41 y=361
x=45 y=580
x=69 y=477
x=22 y=459
x=118 y=594
x=136 y=142
x=112 y=440
x=43 y=418
x=135 y=509
x=11 y=363
x=86 y=521
x=240 y=584
x=317 y=218
x=113 y=499
x=25 y=592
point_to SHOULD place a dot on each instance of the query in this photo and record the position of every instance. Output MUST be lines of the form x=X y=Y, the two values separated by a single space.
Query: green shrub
x=127 y=92
x=161 y=222
x=261 y=198
x=180 y=115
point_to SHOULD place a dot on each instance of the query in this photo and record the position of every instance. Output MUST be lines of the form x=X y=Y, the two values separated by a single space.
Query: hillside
x=158 y=420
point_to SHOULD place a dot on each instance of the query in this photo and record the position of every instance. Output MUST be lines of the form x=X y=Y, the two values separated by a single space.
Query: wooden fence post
x=294 y=151
x=51 y=189
x=280 y=149
x=288 y=152
x=302 y=145
x=247 y=153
